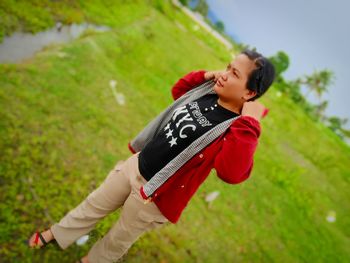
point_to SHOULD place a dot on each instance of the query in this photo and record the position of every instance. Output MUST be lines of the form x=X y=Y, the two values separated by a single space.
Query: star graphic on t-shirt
x=170 y=133
x=167 y=127
x=173 y=141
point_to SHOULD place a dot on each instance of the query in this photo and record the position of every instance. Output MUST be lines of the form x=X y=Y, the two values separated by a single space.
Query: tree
x=280 y=61
x=184 y=2
x=220 y=26
x=202 y=7
x=318 y=82
x=336 y=125
x=320 y=110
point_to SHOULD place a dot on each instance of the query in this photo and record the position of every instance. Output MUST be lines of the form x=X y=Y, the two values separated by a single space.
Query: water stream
x=20 y=46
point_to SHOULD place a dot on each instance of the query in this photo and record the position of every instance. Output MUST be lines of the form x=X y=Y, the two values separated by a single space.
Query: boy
x=213 y=123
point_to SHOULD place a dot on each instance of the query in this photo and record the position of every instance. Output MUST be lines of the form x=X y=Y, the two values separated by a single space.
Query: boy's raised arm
x=234 y=162
x=188 y=82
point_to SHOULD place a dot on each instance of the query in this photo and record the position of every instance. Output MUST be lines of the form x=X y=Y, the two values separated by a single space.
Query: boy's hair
x=261 y=78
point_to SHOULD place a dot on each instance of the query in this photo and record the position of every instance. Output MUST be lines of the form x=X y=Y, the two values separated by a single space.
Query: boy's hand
x=213 y=75
x=254 y=109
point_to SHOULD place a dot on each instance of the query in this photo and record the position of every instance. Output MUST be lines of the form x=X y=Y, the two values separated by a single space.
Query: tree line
x=317 y=83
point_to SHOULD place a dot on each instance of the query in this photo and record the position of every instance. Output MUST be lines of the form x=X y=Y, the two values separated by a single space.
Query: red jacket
x=231 y=155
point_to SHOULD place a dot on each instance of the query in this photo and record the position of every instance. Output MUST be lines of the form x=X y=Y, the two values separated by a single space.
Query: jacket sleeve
x=234 y=162
x=188 y=82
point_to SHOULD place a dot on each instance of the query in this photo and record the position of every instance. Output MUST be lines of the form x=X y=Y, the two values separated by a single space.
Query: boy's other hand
x=213 y=75
x=254 y=109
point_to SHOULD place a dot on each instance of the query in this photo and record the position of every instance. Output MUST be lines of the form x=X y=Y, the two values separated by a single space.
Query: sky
x=314 y=33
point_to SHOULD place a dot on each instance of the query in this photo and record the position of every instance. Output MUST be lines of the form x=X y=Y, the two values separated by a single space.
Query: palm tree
x=337 y=124
x=320 y=110
x=318 y=82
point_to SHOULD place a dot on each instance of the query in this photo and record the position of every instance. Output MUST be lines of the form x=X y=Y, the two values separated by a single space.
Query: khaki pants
x=120 y=188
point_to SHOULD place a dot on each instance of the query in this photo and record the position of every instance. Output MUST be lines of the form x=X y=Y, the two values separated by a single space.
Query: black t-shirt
x=187 y=123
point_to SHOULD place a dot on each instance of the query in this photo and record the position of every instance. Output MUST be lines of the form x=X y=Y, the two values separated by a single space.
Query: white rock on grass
x=81 y=241
x=331 y=216
x=120 y=98
x=113 y=83
x=211 y=196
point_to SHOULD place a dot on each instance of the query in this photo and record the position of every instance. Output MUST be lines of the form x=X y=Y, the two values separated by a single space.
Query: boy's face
x=231 y=86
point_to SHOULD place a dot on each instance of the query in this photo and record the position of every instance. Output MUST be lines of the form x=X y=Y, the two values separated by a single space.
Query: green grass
x=62 y=131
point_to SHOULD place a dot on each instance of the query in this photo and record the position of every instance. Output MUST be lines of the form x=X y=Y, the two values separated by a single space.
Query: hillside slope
x=62 y=131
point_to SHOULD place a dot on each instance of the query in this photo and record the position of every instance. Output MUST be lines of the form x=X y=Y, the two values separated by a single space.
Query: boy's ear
x=250 y=94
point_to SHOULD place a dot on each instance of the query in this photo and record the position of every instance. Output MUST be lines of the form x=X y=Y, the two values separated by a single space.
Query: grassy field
x=62 y=131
